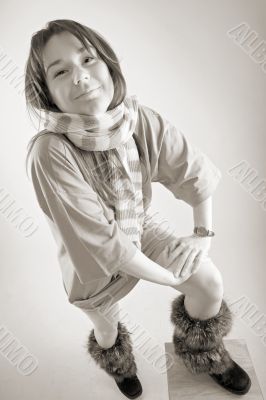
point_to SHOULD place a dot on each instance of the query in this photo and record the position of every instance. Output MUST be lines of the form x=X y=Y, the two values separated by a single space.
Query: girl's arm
x=176 y=163
x=143 y=267
x=202 y=214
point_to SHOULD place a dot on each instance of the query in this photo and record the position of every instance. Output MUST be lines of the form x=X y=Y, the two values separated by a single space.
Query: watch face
x=202 y=230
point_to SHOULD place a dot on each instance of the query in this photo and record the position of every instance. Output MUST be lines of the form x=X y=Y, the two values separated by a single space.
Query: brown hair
x=37 y=93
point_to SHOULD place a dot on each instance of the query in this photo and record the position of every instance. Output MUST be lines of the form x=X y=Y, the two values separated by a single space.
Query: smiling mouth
x=88 y=93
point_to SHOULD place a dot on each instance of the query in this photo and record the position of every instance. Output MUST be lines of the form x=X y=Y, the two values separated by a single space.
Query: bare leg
x=203 y=290
x=201 y=308
x=105 y=325
x=105 y=339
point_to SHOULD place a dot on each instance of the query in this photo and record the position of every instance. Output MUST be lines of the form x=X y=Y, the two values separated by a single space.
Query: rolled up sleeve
x=181 y=167
x=96 y=246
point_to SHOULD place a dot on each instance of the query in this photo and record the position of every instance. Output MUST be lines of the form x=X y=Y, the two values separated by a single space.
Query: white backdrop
x=181 y=58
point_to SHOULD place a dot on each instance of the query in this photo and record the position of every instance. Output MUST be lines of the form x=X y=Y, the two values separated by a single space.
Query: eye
x=88 y=58
x=59 y=72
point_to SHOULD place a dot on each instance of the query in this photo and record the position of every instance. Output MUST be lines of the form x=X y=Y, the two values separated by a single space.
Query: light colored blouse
x=91 y=246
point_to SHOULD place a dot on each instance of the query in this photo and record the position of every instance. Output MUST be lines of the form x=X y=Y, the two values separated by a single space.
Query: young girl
x=92 y=168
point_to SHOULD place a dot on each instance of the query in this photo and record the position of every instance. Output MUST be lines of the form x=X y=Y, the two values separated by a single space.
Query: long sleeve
x=181 y=167
x=97 y=247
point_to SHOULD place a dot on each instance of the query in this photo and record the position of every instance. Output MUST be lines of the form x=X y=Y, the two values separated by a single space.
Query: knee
x=213 y=287
x=207 y=282
x=106 y=339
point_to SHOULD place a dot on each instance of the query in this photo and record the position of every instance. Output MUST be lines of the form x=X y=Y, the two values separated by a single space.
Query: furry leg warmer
x=118 y=360
x=199 y=342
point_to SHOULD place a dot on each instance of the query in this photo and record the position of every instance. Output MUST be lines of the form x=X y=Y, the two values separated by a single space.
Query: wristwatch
x=202 y=231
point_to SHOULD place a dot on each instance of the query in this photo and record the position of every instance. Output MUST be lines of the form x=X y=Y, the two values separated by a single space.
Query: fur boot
x=198 y=343
x=118 y=361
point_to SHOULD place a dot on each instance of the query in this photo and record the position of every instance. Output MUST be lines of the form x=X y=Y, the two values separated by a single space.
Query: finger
x=197 y=262
x=182 y=279
x=189 y=262
x=177 y=250
x=179 y=241
x=181 y=261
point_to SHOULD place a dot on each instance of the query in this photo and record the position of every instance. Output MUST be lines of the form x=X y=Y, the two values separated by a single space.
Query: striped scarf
x=112 y=134
x=97 y=133
x=120 y=167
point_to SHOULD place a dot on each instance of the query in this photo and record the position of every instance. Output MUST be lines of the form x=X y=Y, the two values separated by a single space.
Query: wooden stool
x=183 y=385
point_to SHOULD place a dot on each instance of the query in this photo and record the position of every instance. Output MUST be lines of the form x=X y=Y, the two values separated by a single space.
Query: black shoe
x=234 y=379
x=130 y=387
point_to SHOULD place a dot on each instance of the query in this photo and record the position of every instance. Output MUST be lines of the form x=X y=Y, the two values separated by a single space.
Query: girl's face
x=71 y=71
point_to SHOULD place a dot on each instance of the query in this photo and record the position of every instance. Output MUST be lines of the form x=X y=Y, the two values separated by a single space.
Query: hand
x=191 y=249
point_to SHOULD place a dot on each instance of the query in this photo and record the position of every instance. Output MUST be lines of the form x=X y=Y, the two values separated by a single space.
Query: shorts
x=157 y=240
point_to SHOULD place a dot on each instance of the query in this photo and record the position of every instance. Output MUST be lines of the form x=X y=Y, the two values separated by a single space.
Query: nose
x=79 y=76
